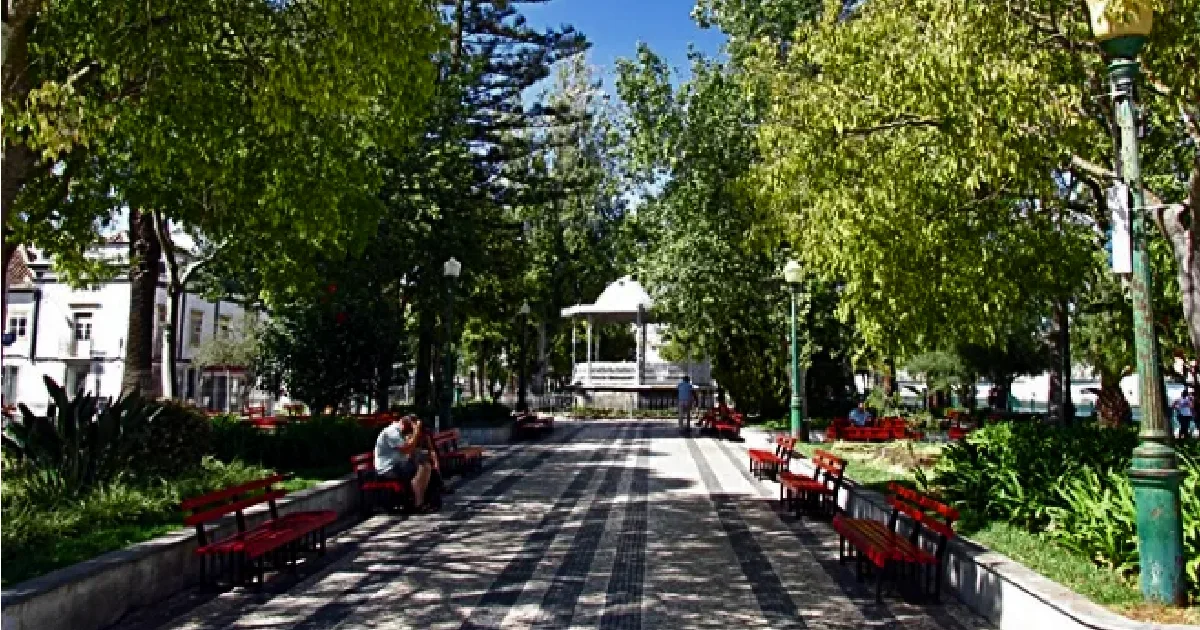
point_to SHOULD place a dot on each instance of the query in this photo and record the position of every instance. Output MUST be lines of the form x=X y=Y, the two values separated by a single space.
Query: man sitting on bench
x=398 y=456
x=859 y=415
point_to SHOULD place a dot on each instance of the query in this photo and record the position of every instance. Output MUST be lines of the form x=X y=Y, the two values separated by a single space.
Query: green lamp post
x=794 y=276
x=1122 y=28
x=450 y=270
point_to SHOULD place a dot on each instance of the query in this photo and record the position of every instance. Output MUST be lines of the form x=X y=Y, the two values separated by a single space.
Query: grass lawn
x=874 y=465
x=103 y=524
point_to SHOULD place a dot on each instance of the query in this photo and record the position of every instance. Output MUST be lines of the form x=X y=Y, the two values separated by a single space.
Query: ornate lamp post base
x=1155 y=480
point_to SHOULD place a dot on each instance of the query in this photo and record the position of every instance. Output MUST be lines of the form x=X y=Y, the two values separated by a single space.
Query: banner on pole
x=1120 y=238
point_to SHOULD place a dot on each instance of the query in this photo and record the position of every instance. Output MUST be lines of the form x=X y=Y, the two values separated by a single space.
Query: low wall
x=1005 y=592
x=98 y=592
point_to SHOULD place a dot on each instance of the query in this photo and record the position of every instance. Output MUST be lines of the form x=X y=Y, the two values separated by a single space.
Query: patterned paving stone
x=606 y=525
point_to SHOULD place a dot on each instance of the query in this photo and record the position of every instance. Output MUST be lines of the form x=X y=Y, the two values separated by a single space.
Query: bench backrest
x=925 y=512
x=828 y=468
x=256 y=412
x=785 y=447
x=233 y=500
x=362 y=463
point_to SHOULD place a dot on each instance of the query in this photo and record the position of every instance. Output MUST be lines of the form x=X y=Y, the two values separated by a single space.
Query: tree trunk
x=170 y=353
x=383 y=382
x=1178 y=225
x=145 y=253
x=421 y=386
x=889 y=377
x=1059 y=408
x=19 y=162
x=1112 y=409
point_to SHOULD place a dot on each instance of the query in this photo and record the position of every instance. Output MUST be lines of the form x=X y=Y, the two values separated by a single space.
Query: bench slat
x=236 y=506
x=221 y=495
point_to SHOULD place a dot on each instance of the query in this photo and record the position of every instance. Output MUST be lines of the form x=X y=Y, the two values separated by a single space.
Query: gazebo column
x=589 y=350
x=641 y=348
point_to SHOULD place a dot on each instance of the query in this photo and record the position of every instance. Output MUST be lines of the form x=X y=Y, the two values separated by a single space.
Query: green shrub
x=176 y=440
x=1012 y=471
x=319 y=442
x=77 y=445
x=1070 y=482
x=44 y=529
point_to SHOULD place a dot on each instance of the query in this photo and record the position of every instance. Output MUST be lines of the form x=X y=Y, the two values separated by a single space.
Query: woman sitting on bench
x=398 y=455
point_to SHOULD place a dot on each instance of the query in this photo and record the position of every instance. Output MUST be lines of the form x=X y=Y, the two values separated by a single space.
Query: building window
x=9 y=375
x=83 y=326
x=162 y=314
x=195 y=328
x=18 y=324
x=225 y=325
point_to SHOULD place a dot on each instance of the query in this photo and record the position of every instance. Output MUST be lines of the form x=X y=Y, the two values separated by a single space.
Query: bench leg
x=879 y=581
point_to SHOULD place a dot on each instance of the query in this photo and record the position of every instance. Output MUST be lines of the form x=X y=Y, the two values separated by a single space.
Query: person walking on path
x=687 y=396
x=1183 y=410
x=398 y=456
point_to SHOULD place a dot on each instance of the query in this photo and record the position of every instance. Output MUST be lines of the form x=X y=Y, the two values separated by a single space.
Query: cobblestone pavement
x=609 y=525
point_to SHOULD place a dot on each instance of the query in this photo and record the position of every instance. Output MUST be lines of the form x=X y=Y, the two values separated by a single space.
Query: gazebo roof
x=620 y=301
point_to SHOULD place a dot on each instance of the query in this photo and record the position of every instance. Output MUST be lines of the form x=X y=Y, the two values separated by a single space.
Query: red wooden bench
x=769 y=464
x=281 y=536
x=455 y=458
x=530 y=424
x=369 y=487
x=722 y=421
x=956 y=431
x=894 y=554
x=820 y=490
x=882 y=430
x=257 y=415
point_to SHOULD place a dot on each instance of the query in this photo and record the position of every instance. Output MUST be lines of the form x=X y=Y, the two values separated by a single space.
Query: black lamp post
x=450 y=270
x=521 y=381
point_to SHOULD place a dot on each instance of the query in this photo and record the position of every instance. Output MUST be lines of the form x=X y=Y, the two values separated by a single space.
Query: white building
x=77 y=336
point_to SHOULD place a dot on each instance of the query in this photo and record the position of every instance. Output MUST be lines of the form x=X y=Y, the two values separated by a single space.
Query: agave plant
x=77 y=441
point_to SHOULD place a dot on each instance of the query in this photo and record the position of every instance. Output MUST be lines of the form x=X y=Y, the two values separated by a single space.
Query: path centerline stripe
x=506 y=589
x=773 y=599
x=626 y=584
x=560 y=600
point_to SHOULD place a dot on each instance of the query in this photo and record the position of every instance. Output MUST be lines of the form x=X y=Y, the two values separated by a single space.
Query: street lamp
x=521 y=404
x=450 y=270
x=794 y=276
x=1122 y=31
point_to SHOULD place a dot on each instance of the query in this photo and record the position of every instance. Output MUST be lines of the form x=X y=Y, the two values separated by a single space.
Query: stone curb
x=1005 y=592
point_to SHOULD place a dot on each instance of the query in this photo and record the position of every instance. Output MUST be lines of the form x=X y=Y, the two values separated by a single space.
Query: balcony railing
x=76 y=349
x=624 y=373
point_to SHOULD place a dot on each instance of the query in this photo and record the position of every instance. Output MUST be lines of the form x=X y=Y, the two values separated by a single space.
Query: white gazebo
x=645 y=381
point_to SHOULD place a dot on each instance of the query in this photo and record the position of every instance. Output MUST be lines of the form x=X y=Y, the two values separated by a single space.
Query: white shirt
x=387 y=448
x=1184 y=405
x=685 y=392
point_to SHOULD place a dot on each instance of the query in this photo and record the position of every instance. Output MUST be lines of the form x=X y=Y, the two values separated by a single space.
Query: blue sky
x=616 y=26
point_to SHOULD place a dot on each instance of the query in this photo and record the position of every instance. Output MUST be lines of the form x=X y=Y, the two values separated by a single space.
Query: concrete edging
x=1003 y=591
x=97 y=593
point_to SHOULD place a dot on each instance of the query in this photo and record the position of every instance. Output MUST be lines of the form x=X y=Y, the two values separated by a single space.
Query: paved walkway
x=612 y=525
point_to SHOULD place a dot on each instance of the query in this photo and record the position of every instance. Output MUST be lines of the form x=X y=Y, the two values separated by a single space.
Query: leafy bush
x=176 y=440
x=1012 y=471
x=1069 y=482
x=77 y=446
x=319 y=442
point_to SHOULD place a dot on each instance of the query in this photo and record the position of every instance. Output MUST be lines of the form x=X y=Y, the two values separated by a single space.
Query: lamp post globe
x=793 y=275
x=1122 y=28
x=451 y=268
